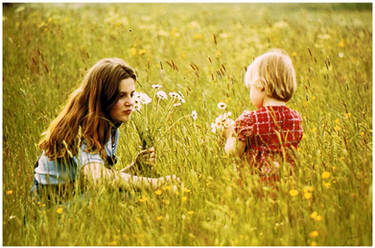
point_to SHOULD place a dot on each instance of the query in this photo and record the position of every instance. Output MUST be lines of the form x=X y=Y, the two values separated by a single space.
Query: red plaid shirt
x=267 y=132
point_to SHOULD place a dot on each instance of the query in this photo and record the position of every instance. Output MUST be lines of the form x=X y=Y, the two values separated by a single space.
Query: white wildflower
x=137 y=107
x=194 y=114
x=161 y=95
x=221 y=105
x=156 y=86
x=341 y=55
x=213 y=127
x=221 y=122
x=142 y=98
x=173 y=94
x=228 y=122
x=177 y=96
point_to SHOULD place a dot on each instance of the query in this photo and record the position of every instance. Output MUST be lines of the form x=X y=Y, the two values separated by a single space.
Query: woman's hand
x=171 y=179
x=147 y=156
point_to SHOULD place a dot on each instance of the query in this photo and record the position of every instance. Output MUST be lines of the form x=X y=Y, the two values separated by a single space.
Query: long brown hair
x=86 y=114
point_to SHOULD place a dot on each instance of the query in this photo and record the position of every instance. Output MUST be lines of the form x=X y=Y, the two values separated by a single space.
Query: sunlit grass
x=200 y=50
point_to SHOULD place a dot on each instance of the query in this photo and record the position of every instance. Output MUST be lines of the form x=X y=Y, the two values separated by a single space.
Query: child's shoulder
x=294 y=113
x=246 y=116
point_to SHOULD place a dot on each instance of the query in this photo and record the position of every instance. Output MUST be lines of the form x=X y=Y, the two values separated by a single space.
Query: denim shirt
x=62 y=171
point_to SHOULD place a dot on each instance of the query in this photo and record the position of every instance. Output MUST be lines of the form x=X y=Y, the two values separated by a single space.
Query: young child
x=266 y=137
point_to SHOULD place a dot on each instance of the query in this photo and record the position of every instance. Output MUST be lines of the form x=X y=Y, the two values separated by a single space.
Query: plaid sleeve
x=243 y=126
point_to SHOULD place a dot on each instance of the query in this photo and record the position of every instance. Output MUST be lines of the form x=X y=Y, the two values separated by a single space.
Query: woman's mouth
x=128 y=112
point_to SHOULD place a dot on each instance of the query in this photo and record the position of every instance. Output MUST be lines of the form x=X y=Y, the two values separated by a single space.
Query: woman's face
x=121 y=111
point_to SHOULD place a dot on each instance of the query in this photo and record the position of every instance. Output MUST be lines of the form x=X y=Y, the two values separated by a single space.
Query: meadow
x=202 y=51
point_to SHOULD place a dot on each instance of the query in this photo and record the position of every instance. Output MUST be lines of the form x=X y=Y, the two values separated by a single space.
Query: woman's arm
x=147 y=156
x=98 y=174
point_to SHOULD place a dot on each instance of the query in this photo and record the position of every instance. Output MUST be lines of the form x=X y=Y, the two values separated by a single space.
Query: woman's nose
x=129 y=101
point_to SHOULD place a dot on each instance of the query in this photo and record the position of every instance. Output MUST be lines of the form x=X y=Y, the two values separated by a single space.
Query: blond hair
x=273 y=72
x=87 y=111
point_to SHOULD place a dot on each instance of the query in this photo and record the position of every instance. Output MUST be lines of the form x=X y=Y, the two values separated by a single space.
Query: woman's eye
x=132 y=94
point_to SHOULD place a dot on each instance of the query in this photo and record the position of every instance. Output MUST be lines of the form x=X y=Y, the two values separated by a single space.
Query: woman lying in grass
x=81 y=142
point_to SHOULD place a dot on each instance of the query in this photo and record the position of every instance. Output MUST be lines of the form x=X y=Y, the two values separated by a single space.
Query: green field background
x=201 y=50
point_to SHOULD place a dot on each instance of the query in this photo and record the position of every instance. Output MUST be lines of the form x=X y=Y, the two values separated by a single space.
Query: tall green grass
x=48 y=48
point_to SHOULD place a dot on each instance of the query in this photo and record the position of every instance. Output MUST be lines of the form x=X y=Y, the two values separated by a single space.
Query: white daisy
x=142 y=98
x=228 y=122
x=173 y=94
x=161 y=95
x=194 y=114
x=156 y=86
x=213 y=127
x=221 y=105
x=138 y=107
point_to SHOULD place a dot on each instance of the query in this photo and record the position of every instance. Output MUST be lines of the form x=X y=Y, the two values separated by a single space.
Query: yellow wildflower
x=326 y=175
x=191 y=212
x=174 y=33
x=315 y=216
x=159 y=218
x=133 y=51
x=313 y=234
x=184 y=198
x=337 y=128
x=308 y=189
x=362 y=134
x=294 y=54
x=138 y=220
x=186 y=190
x=168 y=187
x=293 y=192
x=183 y=55
x=307 y=195
x=142 y=199
x=327 y=185
x=113 y=243
x=9 y=192
x=342 y=43
x=158 y=192
x=347 y=115
x=142 y=51
x=313 y=243
x=198 y=37
x=59 y=210
x=337 y=121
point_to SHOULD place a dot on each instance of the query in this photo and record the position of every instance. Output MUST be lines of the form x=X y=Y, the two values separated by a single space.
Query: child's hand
x=227 y=131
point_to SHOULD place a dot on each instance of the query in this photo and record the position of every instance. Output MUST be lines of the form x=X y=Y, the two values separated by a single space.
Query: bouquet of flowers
x=221 y=122
x=150 y=118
